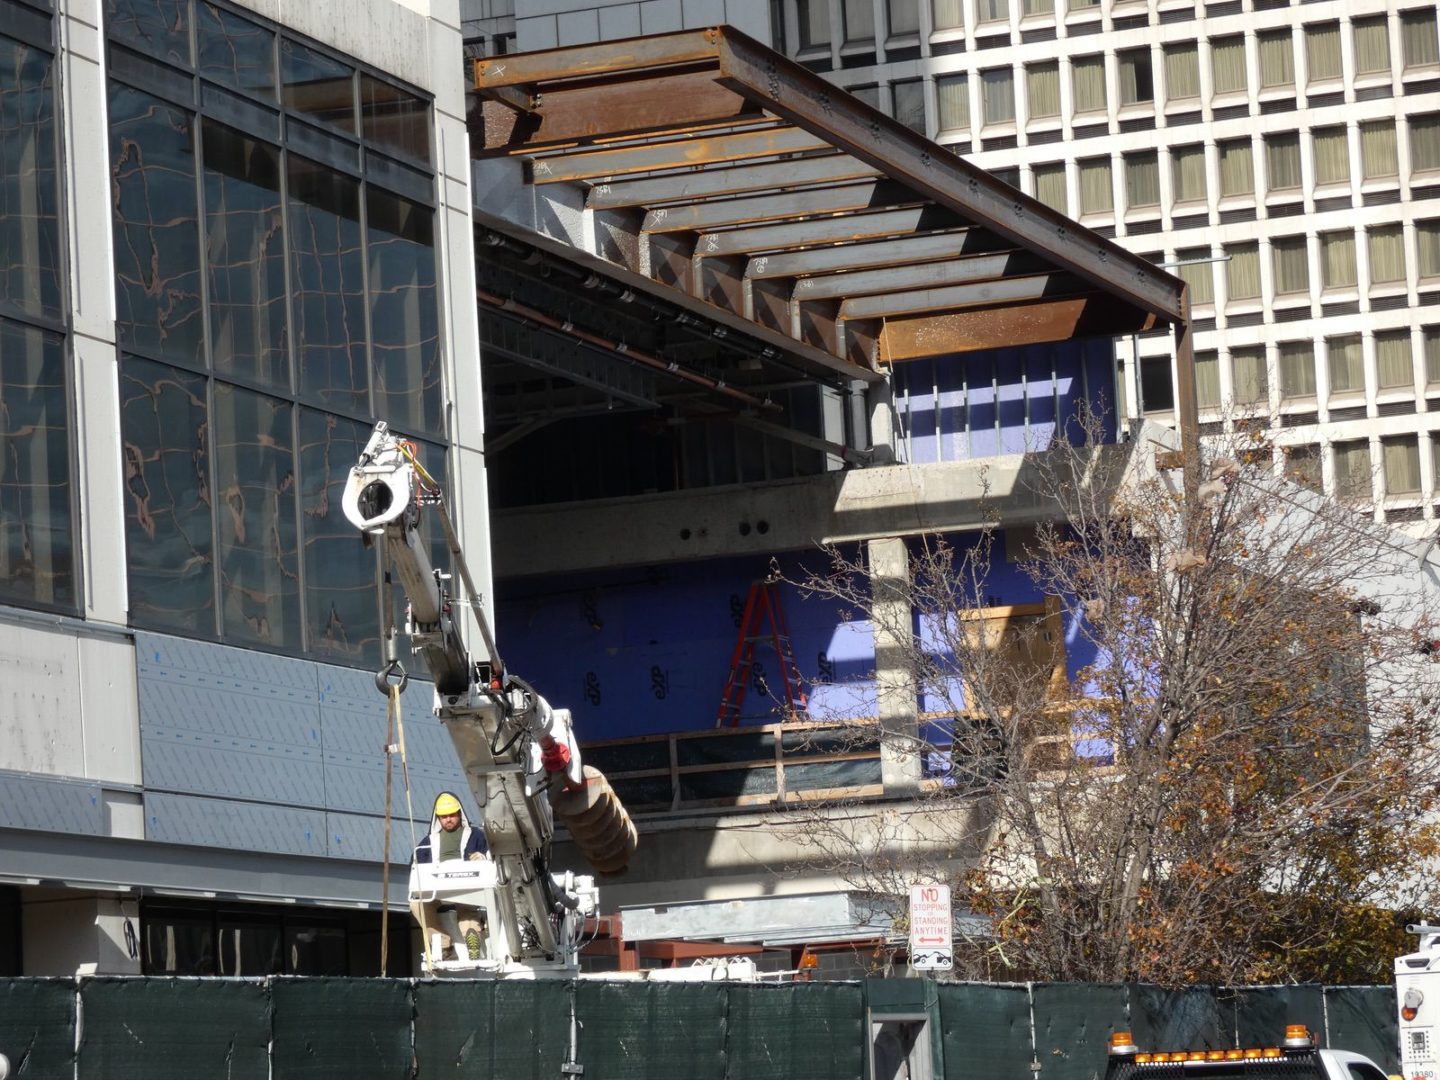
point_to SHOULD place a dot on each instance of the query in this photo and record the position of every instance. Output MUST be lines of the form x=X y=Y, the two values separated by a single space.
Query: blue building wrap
x=641 y=652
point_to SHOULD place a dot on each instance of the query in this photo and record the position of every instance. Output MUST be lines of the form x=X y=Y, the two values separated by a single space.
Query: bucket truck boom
x=519 y=754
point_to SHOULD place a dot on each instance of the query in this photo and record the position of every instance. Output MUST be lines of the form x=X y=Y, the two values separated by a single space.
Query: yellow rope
x=410 y=813
x=425 y=477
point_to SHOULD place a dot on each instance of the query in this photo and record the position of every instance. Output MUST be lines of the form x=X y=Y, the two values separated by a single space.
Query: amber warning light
x=1410 y=1005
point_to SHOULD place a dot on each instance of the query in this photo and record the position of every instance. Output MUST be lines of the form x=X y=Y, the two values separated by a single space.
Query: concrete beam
x=763 y=519
x=732 y=855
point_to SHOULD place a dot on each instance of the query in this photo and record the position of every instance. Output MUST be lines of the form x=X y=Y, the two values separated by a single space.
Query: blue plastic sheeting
x=1005 y=401
x=647 y=652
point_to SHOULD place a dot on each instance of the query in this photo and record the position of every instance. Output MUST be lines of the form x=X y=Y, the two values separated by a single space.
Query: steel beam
x=917 y=336
x=581 y=112
x=891 y=279
x=902 y=251
x=704 y=216
x=802 y=97
x=602 y=58
x=801 y=353
x=673 y=154
x=687 y=186
x=989 y=294
x=829 y=230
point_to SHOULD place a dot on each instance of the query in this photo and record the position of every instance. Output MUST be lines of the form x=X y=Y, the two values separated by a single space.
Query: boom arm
x=519 y=754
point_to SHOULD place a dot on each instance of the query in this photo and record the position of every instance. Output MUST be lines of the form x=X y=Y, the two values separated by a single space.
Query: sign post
x=932 y=945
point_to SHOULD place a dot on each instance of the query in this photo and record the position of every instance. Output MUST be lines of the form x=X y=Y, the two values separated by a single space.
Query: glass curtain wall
x=37 y=555
x=276 y=291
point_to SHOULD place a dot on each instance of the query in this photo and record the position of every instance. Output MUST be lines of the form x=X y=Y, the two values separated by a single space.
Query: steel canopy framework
x=742 y=179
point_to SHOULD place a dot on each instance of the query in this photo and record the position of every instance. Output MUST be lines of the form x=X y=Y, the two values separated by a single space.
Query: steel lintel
x=915 y=336
x=602 y=58
x=1005 y=290
x=834 y=229
x=702 y=216
x=679 y=153
x=890 y=279
x=901 y=251
x=580 y=112
x=707 y=183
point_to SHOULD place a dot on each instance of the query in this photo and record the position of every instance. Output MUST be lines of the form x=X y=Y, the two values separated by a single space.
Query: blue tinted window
x=257 y=539
x=36 y=557
x=317 y=85
x=235 y=51
x=159 y=28
x=157 y=242
x=328 y=286
x=404 y=314
x=340 y=601
x=29 y=214
x=169 y=536
x=245 y=257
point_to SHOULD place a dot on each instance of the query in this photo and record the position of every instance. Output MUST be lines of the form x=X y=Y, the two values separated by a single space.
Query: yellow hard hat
x=446 y=804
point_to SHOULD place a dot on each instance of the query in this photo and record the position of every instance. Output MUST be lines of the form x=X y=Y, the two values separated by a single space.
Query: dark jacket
x=472 y=839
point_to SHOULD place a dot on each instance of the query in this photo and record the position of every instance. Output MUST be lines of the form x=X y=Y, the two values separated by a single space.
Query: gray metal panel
x=353 y=724
x=147 y=864
x=226 y=721
x=50 y=803
x=361 y=836
x=221 y=723
x=219 y=823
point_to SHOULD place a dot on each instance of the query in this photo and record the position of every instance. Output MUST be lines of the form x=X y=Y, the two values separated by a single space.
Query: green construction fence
x=118 y=1028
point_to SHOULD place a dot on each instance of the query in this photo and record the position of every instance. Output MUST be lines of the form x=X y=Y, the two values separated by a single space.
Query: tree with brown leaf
x=1240 y=781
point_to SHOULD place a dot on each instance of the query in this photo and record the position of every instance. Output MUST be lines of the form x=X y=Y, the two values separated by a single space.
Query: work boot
x=472 y=943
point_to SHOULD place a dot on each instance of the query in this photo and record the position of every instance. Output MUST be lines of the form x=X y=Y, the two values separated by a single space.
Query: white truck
x=1417 y=997
x=1295 y=1058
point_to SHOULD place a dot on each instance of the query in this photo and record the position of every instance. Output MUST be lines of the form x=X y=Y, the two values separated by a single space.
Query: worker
x=451 y=837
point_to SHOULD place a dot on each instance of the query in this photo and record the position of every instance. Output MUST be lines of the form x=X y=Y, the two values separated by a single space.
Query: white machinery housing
x=1417 y=997
x=520 y=756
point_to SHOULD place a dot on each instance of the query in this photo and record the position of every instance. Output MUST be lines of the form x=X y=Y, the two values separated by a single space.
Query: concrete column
x=79 y=934
x=894 y=667
x=881 y=401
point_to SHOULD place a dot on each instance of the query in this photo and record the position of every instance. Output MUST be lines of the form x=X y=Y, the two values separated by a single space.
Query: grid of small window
x=1419 y=46
x=1088 y=83
x=1394 y=364
x=1352 y=470
x=1291 y=267
x=1142 y=180
x=1346 y=364
x=1242 y=271
x=1401 y=454
x=1249 y=377
x=1277 y=59
x=1322 y=51
x=1386 y=249
x=276 y=289
x=1097 y=196
x=1297 y=369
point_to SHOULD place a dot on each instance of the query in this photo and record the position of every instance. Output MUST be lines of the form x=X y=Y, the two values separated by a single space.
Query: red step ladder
x=762 y=604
